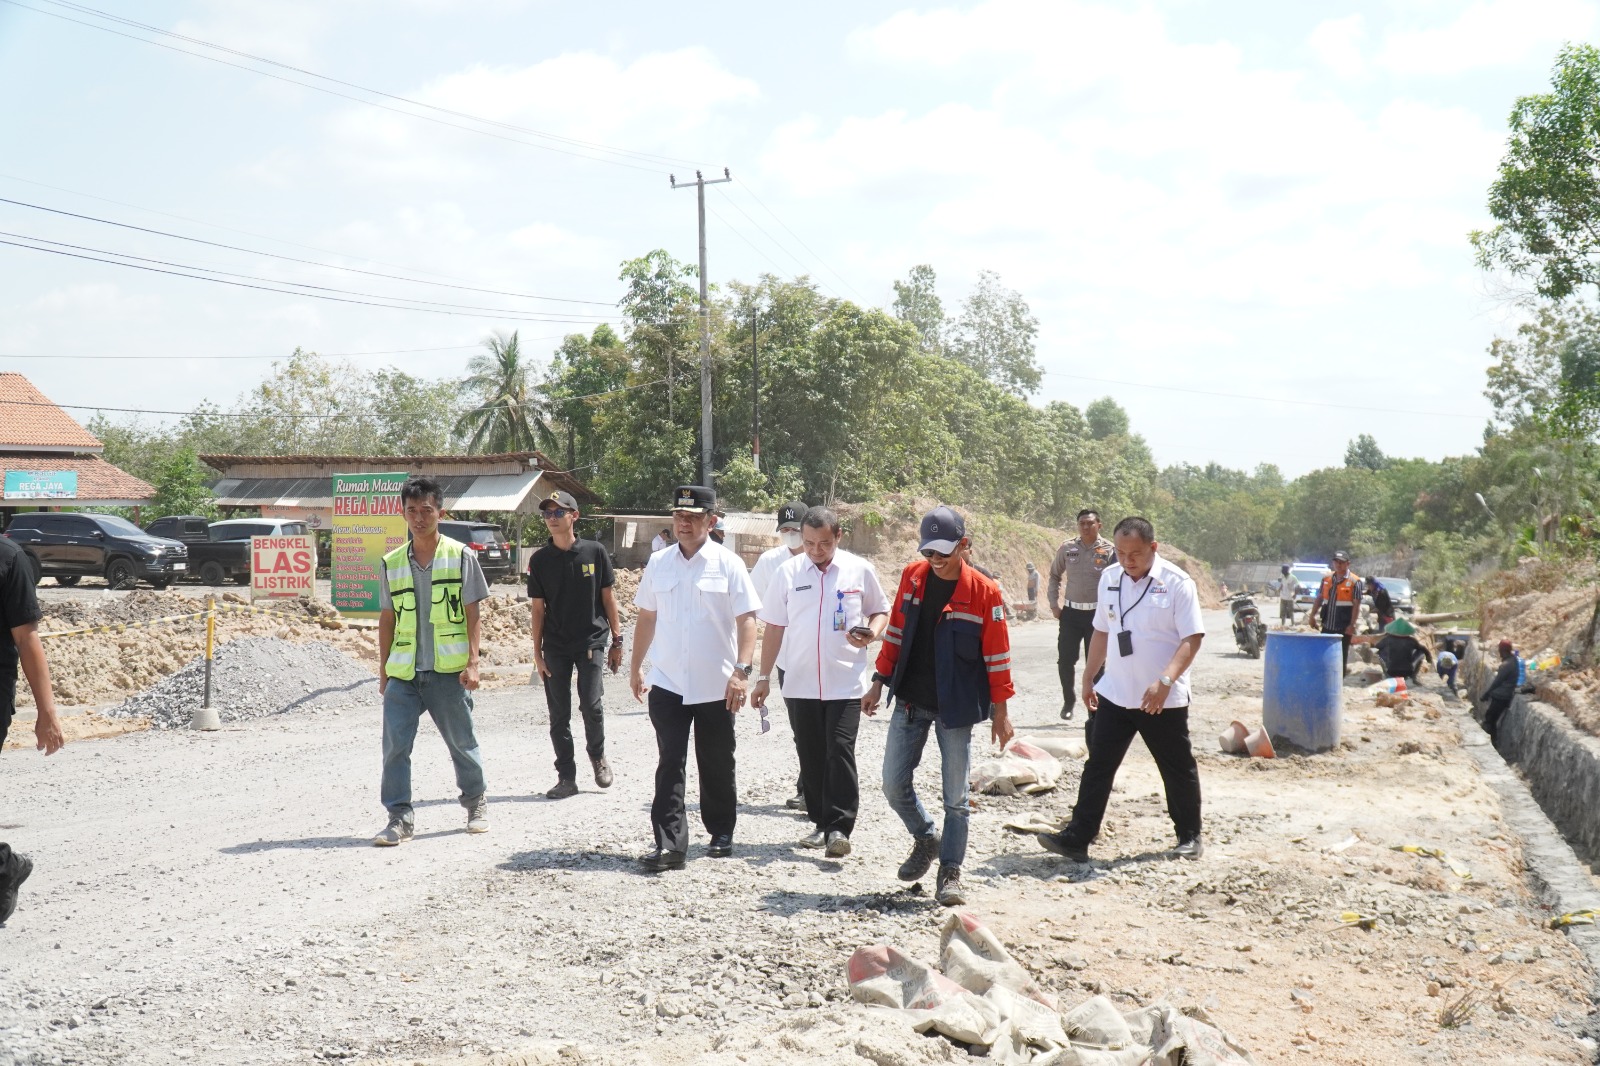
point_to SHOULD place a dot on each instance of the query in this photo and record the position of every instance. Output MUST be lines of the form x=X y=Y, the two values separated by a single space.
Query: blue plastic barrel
x=1303 y=699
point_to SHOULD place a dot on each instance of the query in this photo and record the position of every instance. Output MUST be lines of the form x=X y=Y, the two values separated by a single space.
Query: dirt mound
x=1543 y=605
x=885 y=531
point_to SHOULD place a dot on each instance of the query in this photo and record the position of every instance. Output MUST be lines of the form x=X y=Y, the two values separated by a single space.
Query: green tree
x=1106 y=419
x=1363 y=452
x=1547 y=196
x=916 y=300
x=586 y=372
x=411 y=415
x=181 y=488
x=994 y=335
x=506 y=416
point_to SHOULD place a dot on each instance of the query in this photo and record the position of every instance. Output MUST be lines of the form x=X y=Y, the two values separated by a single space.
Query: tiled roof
x=29 y=420
x=98 y=480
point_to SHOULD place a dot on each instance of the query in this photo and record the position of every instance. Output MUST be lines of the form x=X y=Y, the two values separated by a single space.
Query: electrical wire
x=467 y=310
x=257 y=414
x=327 y=355
x=292 y=259
x=753 y=195
x=658 y=169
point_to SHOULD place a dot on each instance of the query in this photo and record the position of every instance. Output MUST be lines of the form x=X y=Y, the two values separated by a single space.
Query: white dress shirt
x=697 y=603
x=767 y=565
x=1168 y=611
x=817 y=609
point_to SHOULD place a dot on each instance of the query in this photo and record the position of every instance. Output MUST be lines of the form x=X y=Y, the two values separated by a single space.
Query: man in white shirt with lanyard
x=698 y=607
x=1147 y=631
x=789 y=547
x=822 y=610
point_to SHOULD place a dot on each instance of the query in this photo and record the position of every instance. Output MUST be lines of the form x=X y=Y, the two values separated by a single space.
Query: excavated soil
x=1541 y=606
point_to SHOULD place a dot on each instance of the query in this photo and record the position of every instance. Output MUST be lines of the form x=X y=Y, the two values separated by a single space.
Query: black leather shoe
x=1066 y=710
x=10 y=881
x=1192 y=848
x=721 y=846
x=1058 y=843
x=659 y=860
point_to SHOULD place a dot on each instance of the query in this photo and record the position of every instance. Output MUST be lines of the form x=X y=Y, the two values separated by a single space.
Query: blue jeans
x=450 y=706
x=908 y=734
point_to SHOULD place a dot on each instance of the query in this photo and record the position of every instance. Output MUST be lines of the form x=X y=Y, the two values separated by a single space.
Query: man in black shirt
x=574 y=613
x=19 y=643
x=1501 y=691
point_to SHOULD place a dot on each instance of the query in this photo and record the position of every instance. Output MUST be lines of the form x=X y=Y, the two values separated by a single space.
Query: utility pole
x=755 y=389
x=699 y=185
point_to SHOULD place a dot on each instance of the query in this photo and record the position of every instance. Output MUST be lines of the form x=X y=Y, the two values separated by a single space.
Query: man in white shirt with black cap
x=767 y=564
x=1147 y=631
x=697 y=607
x=824 y=608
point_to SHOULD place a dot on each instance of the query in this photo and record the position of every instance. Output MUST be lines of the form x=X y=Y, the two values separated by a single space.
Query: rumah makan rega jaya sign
x=368 y=523
x=283 y=566
x=41 y=485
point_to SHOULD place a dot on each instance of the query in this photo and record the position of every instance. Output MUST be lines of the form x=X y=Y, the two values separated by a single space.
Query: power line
x=655 y=169
x=343 y=414
x=797 y=237
x=292 y=259
x=1265 y=399
x=328 y=355
x=467 y=312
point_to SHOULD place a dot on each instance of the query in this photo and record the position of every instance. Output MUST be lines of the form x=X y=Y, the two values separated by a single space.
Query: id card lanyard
x=1125 y=638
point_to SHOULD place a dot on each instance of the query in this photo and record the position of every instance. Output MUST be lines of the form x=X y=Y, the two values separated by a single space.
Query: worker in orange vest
x=1338 y=602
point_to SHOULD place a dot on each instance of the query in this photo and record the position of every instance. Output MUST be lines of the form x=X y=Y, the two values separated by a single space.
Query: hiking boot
x=1058 y=843
x=398 y=831
x=923 y=851
x=838 y=845
x=949 y=893
x=477 y=814
x=602 y=773
x=1191 y=848
x=564 y=788
x=21 y=867
x=814 y=840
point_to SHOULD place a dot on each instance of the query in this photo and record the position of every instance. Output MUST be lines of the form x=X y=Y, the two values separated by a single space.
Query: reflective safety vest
x=1339 y=591
x=446 y=614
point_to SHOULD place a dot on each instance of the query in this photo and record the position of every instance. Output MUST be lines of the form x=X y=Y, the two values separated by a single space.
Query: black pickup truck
x=214 y=562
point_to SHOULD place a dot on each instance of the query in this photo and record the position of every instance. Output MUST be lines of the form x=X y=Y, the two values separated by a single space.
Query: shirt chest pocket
x=708 y=589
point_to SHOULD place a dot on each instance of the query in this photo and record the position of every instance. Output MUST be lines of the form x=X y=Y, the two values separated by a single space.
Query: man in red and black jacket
x=946 y=658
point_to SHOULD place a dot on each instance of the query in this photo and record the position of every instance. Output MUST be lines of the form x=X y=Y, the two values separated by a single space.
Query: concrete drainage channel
x=1553 y=804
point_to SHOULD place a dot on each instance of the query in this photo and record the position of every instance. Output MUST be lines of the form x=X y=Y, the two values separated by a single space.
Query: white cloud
x=284 y=30
x=1489 y=33
x=100 y=299
x=1337 y=45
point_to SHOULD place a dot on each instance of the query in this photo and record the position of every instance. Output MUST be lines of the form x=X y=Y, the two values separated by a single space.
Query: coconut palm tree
x=508 y=416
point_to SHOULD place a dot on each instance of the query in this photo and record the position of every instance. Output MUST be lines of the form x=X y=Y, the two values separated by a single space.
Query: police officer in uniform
x=1079 y=563
x=1339 y=602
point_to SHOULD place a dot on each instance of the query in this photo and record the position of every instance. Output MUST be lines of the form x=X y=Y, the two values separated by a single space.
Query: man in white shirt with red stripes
x=823 y=609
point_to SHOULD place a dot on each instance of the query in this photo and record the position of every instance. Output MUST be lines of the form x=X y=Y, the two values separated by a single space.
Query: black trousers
x=1335 y=620
x=1167 y=736
x=8 y=699
x=590 y=668
x=1491 y=717
x=1072 y=643
x=712 y=724
x=825 y=738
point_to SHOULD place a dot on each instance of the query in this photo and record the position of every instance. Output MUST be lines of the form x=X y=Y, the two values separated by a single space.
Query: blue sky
x=1260 y=199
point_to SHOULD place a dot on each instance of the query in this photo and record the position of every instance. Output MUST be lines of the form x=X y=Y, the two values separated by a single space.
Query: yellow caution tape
x=1583 y=917
x=151 y=623
x=1436 y=853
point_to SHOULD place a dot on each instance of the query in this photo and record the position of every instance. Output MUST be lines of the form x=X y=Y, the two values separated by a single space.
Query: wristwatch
x=1165 y=680
x=879 y=679
x=616 y=640
x=744 y=668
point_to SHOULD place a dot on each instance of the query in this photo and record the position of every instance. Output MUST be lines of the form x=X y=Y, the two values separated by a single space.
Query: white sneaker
x=398 y=831
x=477 y=814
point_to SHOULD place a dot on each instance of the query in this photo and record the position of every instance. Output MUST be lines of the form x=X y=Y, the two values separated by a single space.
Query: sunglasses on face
x=929 y=553
x=555 y=512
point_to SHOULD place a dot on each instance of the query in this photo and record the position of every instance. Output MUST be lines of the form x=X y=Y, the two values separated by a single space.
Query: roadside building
x=50 y=462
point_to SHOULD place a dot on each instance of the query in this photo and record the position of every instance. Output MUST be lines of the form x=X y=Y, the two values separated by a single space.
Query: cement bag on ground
x=1176 y=1039
x=973 y=957
x=1061 y=747
x=886 y=976
x=1021 y=766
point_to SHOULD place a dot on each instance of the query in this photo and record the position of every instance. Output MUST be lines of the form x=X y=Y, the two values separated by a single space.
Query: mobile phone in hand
x=861 y=631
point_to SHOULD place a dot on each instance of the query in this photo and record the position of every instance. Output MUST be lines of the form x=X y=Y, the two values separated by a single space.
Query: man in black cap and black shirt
x=574 y=617
x=19 y=642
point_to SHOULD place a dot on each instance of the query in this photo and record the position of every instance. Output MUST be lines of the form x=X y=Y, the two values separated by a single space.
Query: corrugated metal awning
x=462 y=492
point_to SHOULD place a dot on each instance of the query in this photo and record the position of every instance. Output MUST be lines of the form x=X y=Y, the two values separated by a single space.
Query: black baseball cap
x=942 y=530
x=789 y=515
x=560 y=499
x=1341 y=557
x=696 y=499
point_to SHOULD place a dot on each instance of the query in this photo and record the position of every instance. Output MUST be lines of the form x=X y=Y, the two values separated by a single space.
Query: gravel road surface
x=213 y=898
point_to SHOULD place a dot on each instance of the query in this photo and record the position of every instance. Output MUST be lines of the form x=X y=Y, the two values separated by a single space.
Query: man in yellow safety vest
x=428 y=644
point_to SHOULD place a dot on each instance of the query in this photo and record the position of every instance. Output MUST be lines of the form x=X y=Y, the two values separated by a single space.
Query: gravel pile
x=253 y=678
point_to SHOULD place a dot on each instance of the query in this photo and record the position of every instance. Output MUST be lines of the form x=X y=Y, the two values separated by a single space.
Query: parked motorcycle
x=1249 y=631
